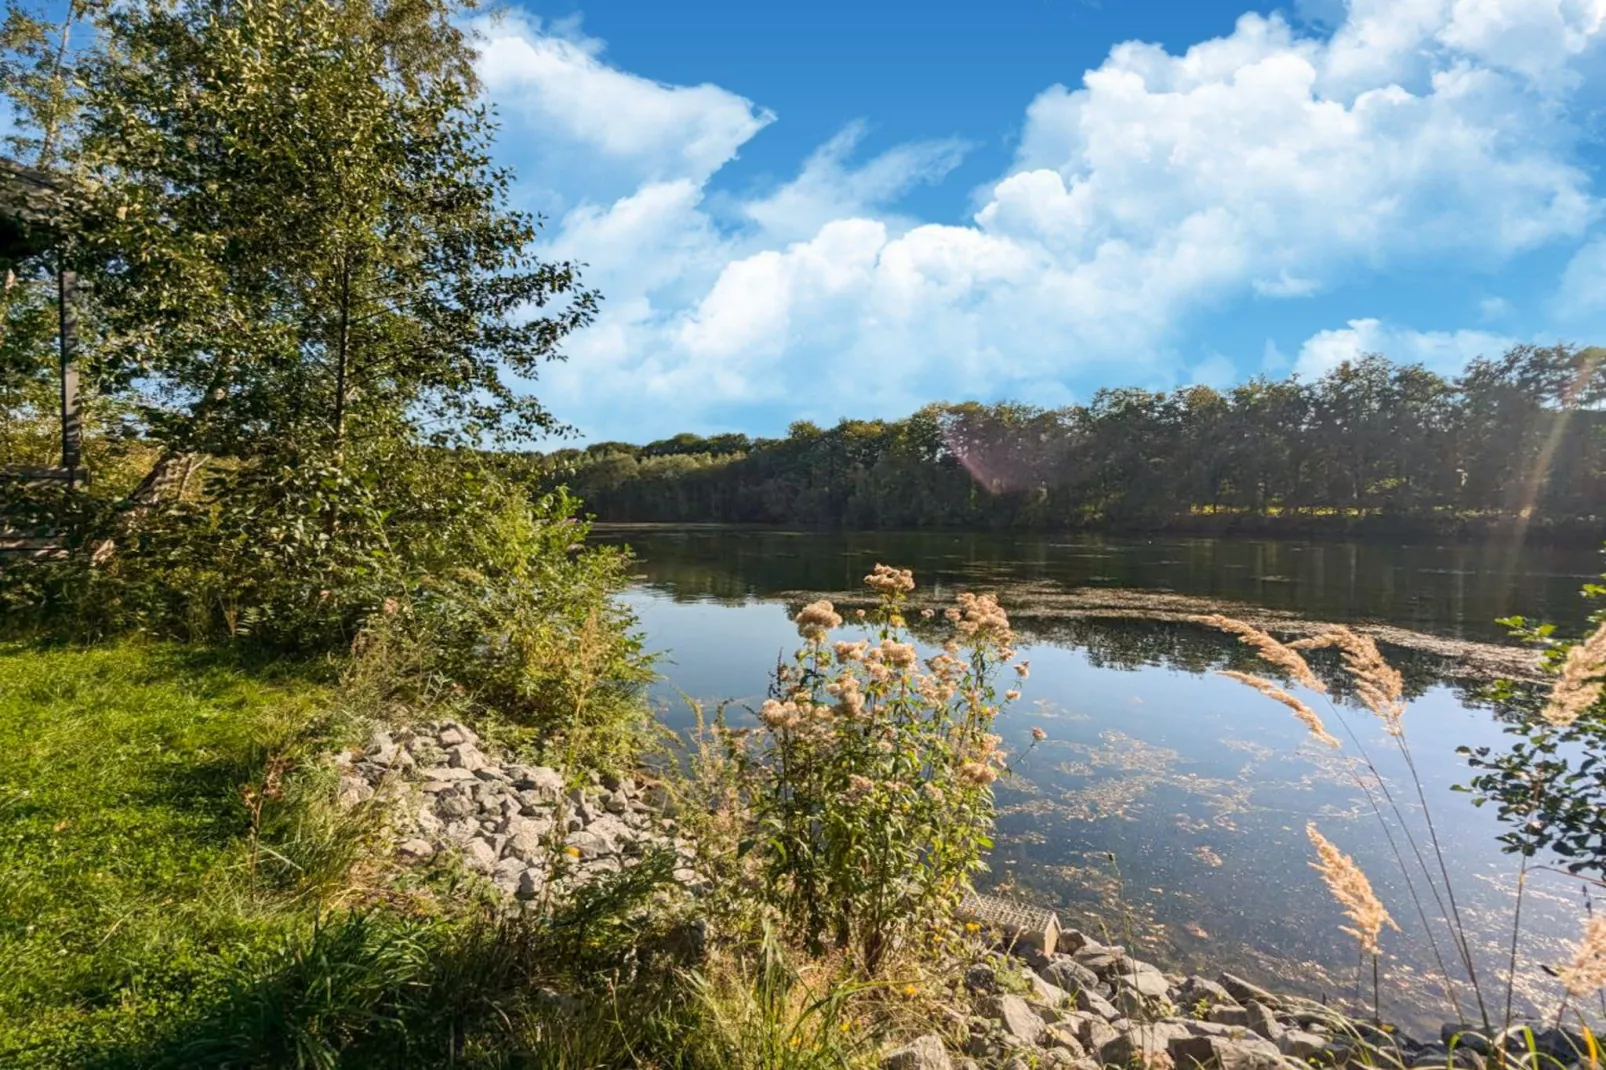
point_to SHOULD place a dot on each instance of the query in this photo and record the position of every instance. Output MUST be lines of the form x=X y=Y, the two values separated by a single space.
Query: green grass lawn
x=125 y=892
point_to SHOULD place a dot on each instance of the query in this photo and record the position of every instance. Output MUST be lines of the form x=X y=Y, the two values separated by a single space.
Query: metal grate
x=1019 y=922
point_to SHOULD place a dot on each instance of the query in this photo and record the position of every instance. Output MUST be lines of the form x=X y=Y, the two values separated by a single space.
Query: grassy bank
x=178 y=889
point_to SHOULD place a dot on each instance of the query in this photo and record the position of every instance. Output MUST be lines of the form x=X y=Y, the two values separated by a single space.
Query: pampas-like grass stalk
x=1279 y=654
x=1303 y=712
x=1586 y=973
x=1352 y=890
x=1583 y=677
x=1377 y=683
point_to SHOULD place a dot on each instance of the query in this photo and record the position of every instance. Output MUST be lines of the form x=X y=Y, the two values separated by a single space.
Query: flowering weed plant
x=869 y=775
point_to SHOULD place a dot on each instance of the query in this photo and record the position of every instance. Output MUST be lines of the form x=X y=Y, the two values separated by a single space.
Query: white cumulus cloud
x=1446 y=352
x=1268 y=162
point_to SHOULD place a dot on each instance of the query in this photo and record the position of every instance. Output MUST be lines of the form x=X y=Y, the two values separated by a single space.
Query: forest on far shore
x=1371 y=445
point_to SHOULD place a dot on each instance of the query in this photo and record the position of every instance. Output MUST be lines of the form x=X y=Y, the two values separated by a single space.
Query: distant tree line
x=1371 y=443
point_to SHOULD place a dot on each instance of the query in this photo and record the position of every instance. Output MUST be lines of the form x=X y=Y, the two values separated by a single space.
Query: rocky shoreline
x=1082 y=1005
x=522 y=827
x=1036 y=997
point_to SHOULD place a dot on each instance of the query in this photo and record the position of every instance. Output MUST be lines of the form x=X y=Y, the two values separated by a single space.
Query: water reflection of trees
x=1456 y=591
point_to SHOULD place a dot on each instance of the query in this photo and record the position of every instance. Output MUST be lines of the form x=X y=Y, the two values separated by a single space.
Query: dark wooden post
x=71 y=425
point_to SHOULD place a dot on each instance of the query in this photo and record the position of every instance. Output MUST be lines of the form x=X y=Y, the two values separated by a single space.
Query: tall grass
x=1379 y=688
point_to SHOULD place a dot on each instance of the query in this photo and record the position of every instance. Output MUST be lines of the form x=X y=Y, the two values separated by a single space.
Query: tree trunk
x=343 y=348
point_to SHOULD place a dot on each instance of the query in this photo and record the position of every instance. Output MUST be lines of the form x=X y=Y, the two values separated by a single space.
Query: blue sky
x=829 y=208
x=812 y=210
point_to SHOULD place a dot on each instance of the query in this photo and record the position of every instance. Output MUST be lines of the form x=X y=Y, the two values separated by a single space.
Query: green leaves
x=295 y=234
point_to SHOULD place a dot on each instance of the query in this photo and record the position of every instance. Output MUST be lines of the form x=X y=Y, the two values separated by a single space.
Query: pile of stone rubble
x=1084 y=1005
x=522 y=826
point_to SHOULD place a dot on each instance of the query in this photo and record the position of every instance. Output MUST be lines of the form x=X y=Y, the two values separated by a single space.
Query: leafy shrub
x=1550 y=787
x=869 y=776
x=445 y=580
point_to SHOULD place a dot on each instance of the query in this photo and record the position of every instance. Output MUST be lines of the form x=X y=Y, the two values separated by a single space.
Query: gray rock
x=1045 y=993
x=1073 y=940
x=453 y=734
x=1262 y=1021
x=1148 y=983
x=1064 y=1038
x=1454 y=1035
x=1300 y=1044
x=589 y=844
x=1196 y=989
x=454 y=804
x=1101 y=960
x=416 y=848
x=922 y=1053
x=447 y=772
x=1019 y=1020
x=531 y=884
x=616 y=802
x=1221 y=1053
x=427 y=822
x=655 y=797
x=532 y=802
x=1243 y=991
x=538 y=778
x=1145 y=1043
x=1094 y=1032
x=381 y=749
x=1069 y=974
x=461 y=830
x=1215 y=1029
x=1229 y=1014
x=1089 y=1000
x=465 y=756
x=479 y=855
x=352 y=791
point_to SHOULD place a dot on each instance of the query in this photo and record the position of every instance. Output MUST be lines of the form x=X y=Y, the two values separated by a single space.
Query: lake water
x=1168 y=805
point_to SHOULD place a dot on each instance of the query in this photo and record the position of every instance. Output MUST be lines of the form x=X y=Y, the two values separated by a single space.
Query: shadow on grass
x=381 y=990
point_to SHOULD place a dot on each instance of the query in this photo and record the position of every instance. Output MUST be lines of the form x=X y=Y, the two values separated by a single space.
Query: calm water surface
x=1168 y=804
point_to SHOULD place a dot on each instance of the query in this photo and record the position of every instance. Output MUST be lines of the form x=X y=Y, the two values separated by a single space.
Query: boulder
x=352 y=791
x=1064 y=1037
x=1244 y=991
x=452 y=734
x=416 y=848
x=1195 y=990
x=1262 y=1021
x=1221 y=1053
x=1065 y=971
x=479 y=855
x=1019 y=1020
x=1455 y=1035
x=922 y=1053
x=382 y=749
x=1147 y=1044
x=1303 y=1046
x=589 y=845
x=1147 y=982
x=547 y=782
x=1101 y=960
x=1049 y=995
x=1094 y=1032
x=1089 y=1000
x=465 y=756
x=1229 y=1014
